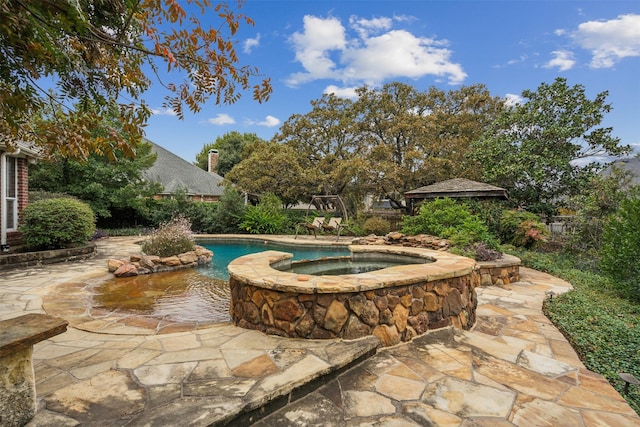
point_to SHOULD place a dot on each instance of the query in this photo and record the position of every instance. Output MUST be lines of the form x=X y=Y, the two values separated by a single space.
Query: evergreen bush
x=57 y=223
x=620 y=252
x=171 y=238
x=229 y=212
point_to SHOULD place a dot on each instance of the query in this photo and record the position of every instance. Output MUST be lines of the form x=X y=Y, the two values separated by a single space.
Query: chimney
x=213 y=161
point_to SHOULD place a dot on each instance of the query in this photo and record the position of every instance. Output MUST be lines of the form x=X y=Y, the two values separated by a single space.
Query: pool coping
x=257 y=270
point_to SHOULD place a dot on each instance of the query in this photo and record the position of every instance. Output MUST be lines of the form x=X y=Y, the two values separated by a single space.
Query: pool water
x=179 y=296
x=338 y=266
x=225 y=251
x=198 y=295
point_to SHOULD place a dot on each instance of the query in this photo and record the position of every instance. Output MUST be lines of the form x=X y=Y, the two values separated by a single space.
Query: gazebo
x=456 y=188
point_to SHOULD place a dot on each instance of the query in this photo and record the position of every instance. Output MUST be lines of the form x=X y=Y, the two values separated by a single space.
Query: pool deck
x=514 y=368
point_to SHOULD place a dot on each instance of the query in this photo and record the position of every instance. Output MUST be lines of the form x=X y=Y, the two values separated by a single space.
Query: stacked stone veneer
x=395 y=304
x=145 y=264
x=500 y=272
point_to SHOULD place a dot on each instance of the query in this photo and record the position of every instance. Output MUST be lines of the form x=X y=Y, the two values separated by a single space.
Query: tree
x=327 y=142
x=389 y=140
x=417 y=138
x=534 y=148
x=593 y=208
x=230 y=148
x=101 y=183
x=97 y=57
x=272 y=168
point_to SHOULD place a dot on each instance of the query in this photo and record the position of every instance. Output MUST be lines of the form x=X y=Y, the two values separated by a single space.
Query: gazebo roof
x=456 y=188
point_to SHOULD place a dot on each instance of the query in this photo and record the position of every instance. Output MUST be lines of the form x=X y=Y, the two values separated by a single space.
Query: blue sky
x=310 y=47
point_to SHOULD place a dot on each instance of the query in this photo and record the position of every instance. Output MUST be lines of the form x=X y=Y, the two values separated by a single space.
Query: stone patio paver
x=513 y=369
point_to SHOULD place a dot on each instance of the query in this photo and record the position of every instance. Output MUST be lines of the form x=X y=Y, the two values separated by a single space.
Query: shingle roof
x=25 y=150
x=175 y=173
x=456 y=187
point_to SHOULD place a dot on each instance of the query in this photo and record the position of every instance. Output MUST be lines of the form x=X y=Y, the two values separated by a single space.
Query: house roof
x=176 y=174
x=632 y=165
x=456 y=188
x=22 y=149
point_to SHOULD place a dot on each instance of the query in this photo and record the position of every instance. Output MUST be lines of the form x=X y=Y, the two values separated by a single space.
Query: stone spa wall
x=394 y=304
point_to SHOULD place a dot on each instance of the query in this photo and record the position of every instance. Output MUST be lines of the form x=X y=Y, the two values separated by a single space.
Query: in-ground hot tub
x=424 y=290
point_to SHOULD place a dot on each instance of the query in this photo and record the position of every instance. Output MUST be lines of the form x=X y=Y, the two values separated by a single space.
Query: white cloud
x=249 y=44
x=610 y=41
x=563 y=60
x=325 y=51
x=399 y=53
x=313 y=47
x=269 y=122
x=364 y=27
x=163 y=112
x=341 y=92
x=221 y=120
x=511 y=99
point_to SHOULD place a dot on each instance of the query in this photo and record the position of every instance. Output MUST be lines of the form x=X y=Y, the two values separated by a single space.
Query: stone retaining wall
x=394 y=304
x=499 y=272
x=26 y=259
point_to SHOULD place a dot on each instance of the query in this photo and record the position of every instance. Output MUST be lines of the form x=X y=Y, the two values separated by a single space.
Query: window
x=11 y=194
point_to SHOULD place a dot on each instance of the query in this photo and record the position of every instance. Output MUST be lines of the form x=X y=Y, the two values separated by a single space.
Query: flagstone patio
x=513 y=368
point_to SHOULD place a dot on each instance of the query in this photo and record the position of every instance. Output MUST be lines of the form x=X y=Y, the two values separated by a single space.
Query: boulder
x=172 y=261
x=188 y=258
x=126 y=270
x=114 y=264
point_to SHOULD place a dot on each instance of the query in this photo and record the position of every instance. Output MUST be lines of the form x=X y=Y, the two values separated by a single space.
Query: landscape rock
x=126 y=270
x=114 y=264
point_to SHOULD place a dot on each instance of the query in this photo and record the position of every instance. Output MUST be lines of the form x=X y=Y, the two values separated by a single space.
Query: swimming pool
x=225 y=251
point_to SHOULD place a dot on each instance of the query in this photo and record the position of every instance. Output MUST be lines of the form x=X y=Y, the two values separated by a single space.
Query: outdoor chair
x=313 y=226
x=334 y=225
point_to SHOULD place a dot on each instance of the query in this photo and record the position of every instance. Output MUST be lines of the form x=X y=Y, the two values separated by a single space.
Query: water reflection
x=181 y=296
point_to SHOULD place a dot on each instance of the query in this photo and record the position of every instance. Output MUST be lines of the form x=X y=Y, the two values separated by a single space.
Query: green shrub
x=203 y=216
x=57 y=223
x=376 y=225
x=620 y=252
x=264 y=218
x=450 y=220
x=171 y=238
x=162 y=211
x=37 y=195
x=129 y=231
x=521 y=228
x=229 y=212
x=490 y=212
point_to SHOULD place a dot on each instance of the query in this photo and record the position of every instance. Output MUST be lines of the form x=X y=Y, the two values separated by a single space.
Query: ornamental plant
x=453 y=221
x=171 y=238
x=376 y=225
x=57 y=223
x=522 y=228
x=264 y=218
